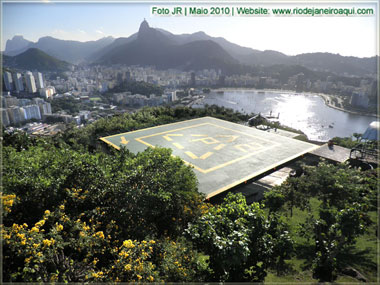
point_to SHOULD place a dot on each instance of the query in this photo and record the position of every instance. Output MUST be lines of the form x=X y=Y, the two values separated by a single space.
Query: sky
x=345 y=35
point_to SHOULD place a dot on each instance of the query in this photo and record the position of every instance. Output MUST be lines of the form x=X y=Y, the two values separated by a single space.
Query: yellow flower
x=35 y=245
x=40 y=223
x=15 y=227
x=100 y=234
x=128 y=267
x=54 y=277
x=47 y=212
x=97 y=275
x=34 y=230
x=23 y=242
x=21 y=236
x=62 y=207
x=27 y=260
x=150 y=278
x=139 y=276
x=128 y=244
x=7 y=236
x=8 y=203
x=59 y=227
x=124 y=254
x=47 y=242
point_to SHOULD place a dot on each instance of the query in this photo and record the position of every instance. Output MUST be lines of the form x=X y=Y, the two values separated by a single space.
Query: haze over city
x=348 y=36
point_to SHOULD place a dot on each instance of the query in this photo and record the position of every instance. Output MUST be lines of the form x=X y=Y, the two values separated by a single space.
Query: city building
x=39 y=80
x=24 y=102
x=47 y=92
x=5 y=118
x=359 y=99
x=30 y=82
x=192 y=79
x=19 y=84
x=9 y=101
x=31 y=112
x=16 y=115
x=8 y=81
x=45 y=109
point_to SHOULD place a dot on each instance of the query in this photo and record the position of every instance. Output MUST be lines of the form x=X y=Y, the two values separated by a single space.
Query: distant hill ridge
x=153 y=46
x=35 y=59
x=71 y=51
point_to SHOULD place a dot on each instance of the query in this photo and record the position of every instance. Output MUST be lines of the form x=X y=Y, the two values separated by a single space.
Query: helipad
x=223 y=154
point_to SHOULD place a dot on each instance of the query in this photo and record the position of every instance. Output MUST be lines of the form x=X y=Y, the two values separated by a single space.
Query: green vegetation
x=347 y=142
x=76 y=210
x=138 y=87
x=72 y=105
x=88 y=136
x=330 y=209
x=96 y=99
x=240 y=240
x=35 y=59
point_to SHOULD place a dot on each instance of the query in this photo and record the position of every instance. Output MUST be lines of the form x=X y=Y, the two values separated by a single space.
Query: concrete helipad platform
x=223 y=154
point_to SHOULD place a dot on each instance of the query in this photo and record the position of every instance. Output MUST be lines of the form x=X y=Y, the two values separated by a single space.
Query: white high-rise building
x=45 y=108
x=5 y=117
x=39 y=80
x=30 y=82
x=47 y=92
x=16 y=114
x=32 y=112
x=8 y=81
x=18 y=82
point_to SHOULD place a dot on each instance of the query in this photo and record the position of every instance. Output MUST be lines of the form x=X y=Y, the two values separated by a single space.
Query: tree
x=239 y=239
x=61 y=248
x=84 y=206
x=289 y=195
x=346 y=194
x=274 y=200
x=333 y=232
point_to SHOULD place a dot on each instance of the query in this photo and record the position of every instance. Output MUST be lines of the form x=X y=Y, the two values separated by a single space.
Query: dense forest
x=75 y=210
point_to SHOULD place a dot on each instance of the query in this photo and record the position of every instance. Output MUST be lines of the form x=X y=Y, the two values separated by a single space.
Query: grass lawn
x=363 y=256
x=95 y=99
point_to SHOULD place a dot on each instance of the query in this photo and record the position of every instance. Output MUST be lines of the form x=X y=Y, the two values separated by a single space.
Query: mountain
x=16 y=45
x=117 y=42
x=154 y=47
x=35 y=59
x=234 y=50
x=137 y=50
x=70 y=51
x=337 y=64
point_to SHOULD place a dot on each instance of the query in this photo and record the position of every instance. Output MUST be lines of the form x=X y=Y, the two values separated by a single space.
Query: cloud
x=81 y=31
x=99 y=32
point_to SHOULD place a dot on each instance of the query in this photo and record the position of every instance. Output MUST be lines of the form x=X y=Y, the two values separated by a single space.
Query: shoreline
x=325 y=97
